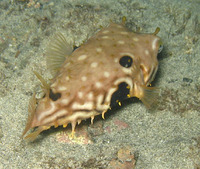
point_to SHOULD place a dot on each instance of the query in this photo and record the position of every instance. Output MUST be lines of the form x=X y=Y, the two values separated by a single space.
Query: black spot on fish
x=75 y=47
x=120 y=95
x=44 y=96
x=54 y=96
x=126 y=61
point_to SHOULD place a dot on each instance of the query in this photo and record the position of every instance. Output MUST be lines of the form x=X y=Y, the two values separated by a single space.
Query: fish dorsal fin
x=45 y=86
x=57 y=51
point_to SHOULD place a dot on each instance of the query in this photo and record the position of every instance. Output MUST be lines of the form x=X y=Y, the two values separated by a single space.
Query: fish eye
x=54 y=96
x=160 y=48
x=126 y=61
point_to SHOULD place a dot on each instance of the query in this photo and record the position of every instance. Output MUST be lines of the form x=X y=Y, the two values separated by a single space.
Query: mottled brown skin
x=84 y=85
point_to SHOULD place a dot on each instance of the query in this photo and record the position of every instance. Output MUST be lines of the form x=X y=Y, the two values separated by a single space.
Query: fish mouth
x=152 y=75
x=148 y=76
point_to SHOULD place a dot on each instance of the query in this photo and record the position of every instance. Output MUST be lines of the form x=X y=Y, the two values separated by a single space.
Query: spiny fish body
x=113 y=65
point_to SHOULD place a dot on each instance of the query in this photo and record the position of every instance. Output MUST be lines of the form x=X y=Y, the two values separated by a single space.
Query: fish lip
x=148 y=73
x=151 y=75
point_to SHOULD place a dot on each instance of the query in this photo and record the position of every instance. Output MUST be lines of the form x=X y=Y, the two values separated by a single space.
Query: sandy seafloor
x=165 y=138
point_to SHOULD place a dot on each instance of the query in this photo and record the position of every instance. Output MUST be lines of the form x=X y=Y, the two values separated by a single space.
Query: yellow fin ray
x=73 y=129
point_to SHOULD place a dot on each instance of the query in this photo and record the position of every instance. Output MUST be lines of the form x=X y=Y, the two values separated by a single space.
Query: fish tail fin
x=31 y=110
x=150 y=96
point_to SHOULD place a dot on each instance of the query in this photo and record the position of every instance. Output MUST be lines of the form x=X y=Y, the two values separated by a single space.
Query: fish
x=113 y=65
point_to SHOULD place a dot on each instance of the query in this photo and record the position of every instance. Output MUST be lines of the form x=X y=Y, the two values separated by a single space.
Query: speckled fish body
x=113 y=65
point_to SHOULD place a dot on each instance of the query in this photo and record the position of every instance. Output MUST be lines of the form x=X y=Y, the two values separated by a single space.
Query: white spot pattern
x=49 y=111
x=67 y=78
x=62 y=88
x=146 y=52
x=80 y=95
x=124 y=33
x=82 y=57
x=135 y=39
x=106 y=31
x=83 y=78
x=87 y=106
x=99 y=49
x=105 y=37
x=64 y=101
x=98 y=84
x=106 y=74
x=94 y=64
x=120 y=42
x=90 y=95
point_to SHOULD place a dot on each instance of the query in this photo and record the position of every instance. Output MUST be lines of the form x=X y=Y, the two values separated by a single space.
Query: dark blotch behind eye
x=54 y=96
x=126 y=61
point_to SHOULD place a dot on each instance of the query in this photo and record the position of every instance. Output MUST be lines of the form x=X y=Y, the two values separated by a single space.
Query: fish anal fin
x=57 y=51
